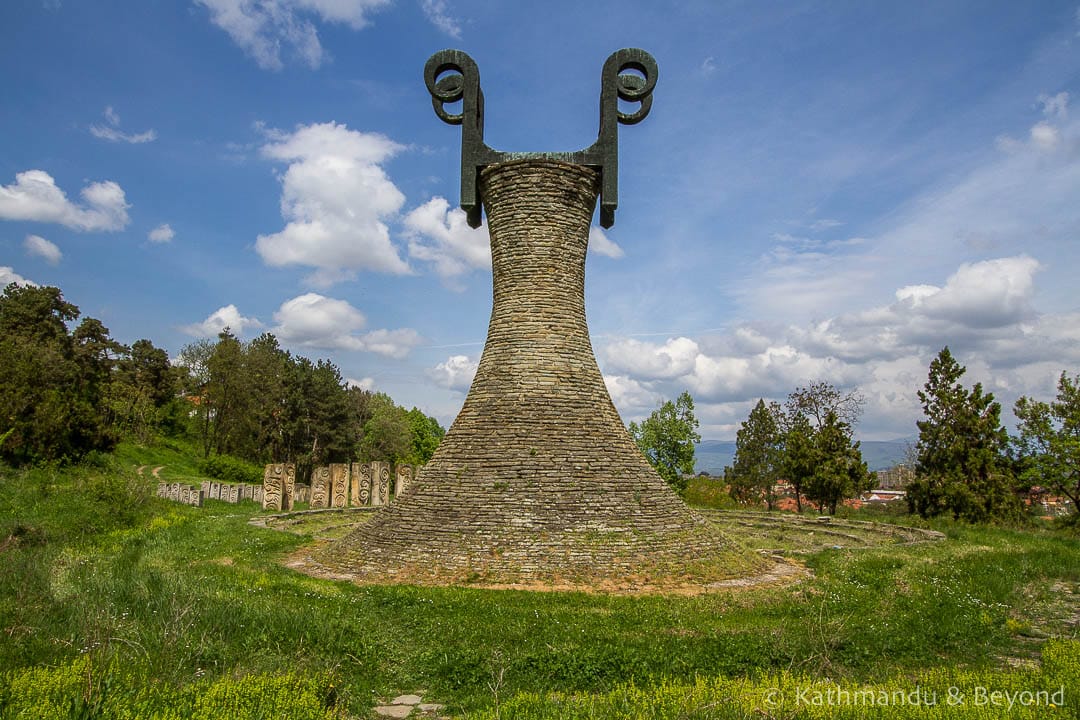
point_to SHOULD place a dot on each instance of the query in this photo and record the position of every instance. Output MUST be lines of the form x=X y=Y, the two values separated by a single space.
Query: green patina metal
x=452 y=76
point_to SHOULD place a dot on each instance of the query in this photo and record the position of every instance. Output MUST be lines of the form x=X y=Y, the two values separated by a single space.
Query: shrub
x=81 y=689
x=231 y=469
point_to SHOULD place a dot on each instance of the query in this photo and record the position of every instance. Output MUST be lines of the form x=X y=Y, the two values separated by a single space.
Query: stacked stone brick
x=537 y=477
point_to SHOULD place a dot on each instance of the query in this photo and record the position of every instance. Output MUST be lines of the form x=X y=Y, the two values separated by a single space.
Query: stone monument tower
x=537 y=478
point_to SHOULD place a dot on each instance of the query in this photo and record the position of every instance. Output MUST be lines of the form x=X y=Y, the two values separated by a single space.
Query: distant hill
x=712 y=456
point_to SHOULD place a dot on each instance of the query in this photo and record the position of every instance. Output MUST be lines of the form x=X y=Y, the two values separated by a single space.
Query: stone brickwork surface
x=537 y=477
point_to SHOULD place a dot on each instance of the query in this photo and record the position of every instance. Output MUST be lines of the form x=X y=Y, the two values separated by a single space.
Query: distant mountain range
x=712 y=456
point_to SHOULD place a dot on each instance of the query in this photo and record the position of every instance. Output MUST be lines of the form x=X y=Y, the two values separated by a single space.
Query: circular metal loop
x=449 y=88
x=629 y=86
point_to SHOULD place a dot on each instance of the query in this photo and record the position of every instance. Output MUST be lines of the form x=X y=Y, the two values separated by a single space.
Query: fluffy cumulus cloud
x=161 y=234
x=336 y=199
x=631 y=396
x=456 y=373
x=226 y=317
x=978 y=302
x=316 y=321
x=111 y=130
x=601 y=244
x=8 y=276
x=263 y=28
x=42 y=248
x=34 y=196
x=984 y=311
x=442 y=237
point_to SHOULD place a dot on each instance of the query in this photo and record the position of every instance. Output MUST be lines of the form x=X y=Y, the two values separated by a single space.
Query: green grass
x=130 y=594
x=179 y=459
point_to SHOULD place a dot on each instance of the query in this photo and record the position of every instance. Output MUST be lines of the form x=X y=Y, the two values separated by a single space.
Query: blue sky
x=823 y=191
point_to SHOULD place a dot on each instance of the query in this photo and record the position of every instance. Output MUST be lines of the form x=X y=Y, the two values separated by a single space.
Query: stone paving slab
x=403 y=705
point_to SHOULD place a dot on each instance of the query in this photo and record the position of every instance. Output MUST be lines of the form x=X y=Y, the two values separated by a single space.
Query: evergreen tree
x=754 y=472
x=798 y=457
x=961 y=465
x=839 y=471
x=820 y=459
x=667 y=438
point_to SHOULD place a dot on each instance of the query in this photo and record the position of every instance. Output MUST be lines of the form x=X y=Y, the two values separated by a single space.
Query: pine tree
x=839 y=471
x=961 y=464
x=754 y=472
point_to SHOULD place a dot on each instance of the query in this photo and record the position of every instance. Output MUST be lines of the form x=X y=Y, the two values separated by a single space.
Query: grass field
x=114 y=603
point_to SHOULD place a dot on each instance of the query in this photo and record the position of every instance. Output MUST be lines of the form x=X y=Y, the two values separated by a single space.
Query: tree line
x=808 y=442
x=68 y=389
x=965 y=462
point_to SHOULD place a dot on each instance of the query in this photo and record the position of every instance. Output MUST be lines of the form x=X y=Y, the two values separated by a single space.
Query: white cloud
x=674 y=358
x=363 y=383
x=452 y=247
x=313 y=320
x=39 y=246
x=336 y=198
x=34 y=196
x=8 y=276
x=262 y=28
x=708 y=66
x=985 y=294
x=1055 y=106
x=1045 y=136
x=163 y=233
x=456 y=373
x=112 y=132
x=224 y=317
x=984 y=311
x=601 y=244
x=113 y=135
x=632 y=397
x=438 y=13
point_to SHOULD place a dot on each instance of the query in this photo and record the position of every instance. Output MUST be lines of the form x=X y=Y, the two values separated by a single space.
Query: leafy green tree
x=839 y=471
x=961 y=463
x=754 y=472
x=319 y=424
x=142 y=394
x=195 y=360
x=265 y=369
x=386 y=434
x=667 y=438
x=52 y=380
x=224 y=395
x=1048 y=445
x=426 y=435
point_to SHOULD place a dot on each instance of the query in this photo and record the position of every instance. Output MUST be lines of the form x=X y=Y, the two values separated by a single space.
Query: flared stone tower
x=537 y=478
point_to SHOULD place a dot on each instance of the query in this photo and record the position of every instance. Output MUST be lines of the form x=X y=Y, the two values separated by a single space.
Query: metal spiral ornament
x=629 y=75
